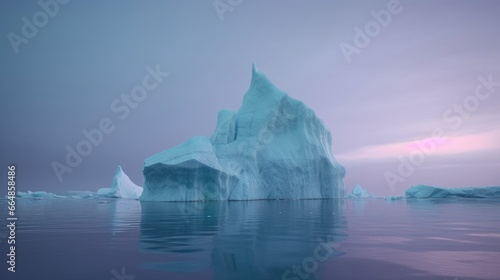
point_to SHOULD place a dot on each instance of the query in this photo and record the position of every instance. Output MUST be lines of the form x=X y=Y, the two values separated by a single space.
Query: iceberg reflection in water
x=377 y=239
x=245 y=239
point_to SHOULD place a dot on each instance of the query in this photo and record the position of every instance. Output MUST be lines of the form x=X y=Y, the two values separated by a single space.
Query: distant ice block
x=394 y=197
x=359 y=192
x=122 y=187
x=78 y=194
x=37 y=195
x=44 y=194
x=273 y=147
x=425 y=191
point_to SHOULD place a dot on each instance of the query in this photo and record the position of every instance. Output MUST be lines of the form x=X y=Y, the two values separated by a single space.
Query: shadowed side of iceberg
x=273 y=147
x=187 y=172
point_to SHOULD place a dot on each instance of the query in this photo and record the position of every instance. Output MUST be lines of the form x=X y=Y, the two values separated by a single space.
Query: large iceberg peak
x=260 y=83
x=261 y=93
x=119 y=172
x=273 y=147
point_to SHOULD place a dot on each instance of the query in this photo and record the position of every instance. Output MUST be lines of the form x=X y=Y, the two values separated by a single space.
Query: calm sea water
x=310 y=239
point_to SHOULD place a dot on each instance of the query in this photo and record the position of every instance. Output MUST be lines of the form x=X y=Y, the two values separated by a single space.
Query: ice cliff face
x=273 y=147
x=122 y=187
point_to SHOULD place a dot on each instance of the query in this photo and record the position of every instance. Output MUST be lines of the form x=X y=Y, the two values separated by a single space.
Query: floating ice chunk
x=425 y=191
x=44 y=194
x=122 y=187
x=394 y=197
x=78 y=194
x=37 y=195
x=359 y=192
x=273 y=147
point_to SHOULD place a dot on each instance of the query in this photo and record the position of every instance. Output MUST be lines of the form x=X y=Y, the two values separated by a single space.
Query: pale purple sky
x=398 y=88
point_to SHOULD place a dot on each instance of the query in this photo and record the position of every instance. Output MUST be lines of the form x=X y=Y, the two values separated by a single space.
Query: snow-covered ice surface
x=273 y=147
x=425 y=191
x=122 y=187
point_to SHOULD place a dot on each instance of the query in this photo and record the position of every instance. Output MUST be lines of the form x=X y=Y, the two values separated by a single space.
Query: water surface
x=302 y=239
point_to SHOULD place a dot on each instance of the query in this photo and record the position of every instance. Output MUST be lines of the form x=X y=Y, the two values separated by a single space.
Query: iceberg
x=122 y=187
x=359 y=192
x=37 y=195
x=77 y=194
x=425 y=191
x=394 y=198
x=273 y=147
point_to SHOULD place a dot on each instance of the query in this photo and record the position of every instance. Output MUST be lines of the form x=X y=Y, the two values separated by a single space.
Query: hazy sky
x=377 y=92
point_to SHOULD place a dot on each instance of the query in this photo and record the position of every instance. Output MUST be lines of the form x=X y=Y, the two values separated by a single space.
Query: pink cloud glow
x=451 y=145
